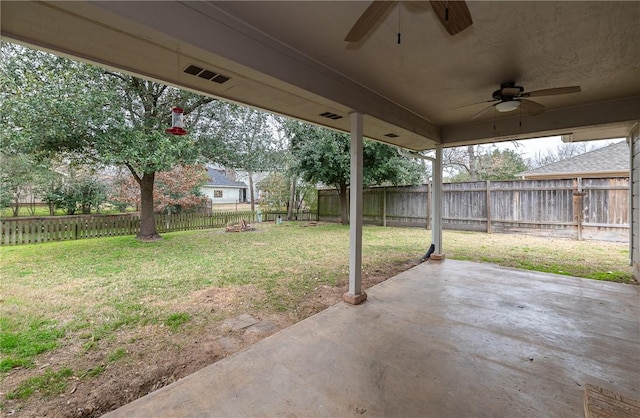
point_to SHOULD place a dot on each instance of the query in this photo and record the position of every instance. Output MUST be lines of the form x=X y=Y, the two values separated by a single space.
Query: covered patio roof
x=290 y=57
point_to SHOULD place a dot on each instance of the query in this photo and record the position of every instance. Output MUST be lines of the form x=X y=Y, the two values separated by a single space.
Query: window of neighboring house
x=217 y=194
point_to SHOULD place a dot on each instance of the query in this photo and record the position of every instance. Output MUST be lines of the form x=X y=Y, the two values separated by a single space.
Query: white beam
x=436 y=205
x=355 y=295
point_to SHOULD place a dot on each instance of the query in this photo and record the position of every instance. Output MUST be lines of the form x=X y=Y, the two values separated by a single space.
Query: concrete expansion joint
x=437 y=257
x=352 y=299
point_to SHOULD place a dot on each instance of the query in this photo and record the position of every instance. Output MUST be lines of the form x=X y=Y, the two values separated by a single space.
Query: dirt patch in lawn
x=138 y=361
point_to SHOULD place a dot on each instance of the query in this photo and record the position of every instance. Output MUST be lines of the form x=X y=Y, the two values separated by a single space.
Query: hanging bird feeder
x=177 y=122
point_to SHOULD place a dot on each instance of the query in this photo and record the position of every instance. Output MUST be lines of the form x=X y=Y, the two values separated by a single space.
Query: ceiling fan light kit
x=510 y=97
x=508 y=106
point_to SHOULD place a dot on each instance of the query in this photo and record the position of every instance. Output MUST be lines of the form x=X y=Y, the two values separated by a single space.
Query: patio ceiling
x=291 y=58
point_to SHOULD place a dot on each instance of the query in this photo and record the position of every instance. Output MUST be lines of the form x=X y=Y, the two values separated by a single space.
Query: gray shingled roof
x=610 y=159
x=217 y=178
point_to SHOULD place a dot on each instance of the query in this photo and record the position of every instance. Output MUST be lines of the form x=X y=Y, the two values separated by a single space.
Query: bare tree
x=475 y=162
x=462 y=160
x=561 y=152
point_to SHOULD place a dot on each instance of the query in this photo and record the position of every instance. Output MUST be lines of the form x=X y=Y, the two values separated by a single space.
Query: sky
x=528 y=148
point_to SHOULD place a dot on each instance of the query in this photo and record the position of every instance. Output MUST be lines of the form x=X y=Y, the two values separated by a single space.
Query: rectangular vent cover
x=206 y=74
x=331 y=115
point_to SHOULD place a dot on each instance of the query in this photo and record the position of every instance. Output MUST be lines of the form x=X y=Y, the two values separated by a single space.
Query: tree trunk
x=148 y=230
x=50 y=202
x=253 y=203
x=344 y=204
x=15 y=207
x=292 y=198
x=473 y=163
x=32 y=204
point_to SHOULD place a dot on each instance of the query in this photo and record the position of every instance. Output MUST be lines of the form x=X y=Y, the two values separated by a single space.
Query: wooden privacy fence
x=581 y=208
x=31 y=230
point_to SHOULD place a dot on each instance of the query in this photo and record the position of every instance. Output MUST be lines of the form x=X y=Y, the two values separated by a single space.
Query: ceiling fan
x=453 y=15
x=510 y=97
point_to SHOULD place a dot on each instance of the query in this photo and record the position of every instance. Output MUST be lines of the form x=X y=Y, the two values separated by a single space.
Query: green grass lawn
x=82 y=292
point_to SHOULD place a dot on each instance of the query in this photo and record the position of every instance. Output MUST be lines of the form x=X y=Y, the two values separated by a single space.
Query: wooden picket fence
x=301 y=215
x=31 y=230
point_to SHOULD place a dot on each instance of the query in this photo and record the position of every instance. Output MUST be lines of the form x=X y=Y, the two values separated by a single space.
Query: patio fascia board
x=565 y=121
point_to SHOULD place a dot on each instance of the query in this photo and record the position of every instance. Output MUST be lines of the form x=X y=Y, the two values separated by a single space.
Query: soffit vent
x=331 y=115
x=206 y=74
x=391 y=135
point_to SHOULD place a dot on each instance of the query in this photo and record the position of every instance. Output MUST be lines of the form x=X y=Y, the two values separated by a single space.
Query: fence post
x=384 y=206
x=428 y=195
x=488 y=195
x=578 y=206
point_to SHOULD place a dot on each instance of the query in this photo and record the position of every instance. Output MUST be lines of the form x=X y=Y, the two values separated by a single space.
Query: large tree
x=52 y=105
x=298 y=192
x=323 y=156
x=473 y=163
x=142 y=145
x=246 y=142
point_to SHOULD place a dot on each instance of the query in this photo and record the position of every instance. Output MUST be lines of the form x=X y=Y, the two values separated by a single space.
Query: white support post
x=355 y=295
x=436 y=200
x=436 y=205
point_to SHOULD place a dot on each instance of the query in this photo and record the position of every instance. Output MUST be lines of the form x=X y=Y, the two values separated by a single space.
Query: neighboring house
x=609 y=161
x=222 y=189
x=257 y=178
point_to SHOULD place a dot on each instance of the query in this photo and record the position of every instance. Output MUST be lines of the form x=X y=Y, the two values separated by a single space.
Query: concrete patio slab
x=445 y=339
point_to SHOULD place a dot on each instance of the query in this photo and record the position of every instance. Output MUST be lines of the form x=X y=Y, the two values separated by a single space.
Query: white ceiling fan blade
x=473 y=104
x=552 y=92
x=371 y=16
x=483 y=112
x=530 y=107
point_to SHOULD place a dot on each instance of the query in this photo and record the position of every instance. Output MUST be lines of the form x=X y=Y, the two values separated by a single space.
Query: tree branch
x=134 y=173
x=202 y=100
x=120 y=76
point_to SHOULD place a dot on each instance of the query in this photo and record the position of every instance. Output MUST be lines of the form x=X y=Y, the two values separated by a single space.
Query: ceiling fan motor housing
x=507 y=91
